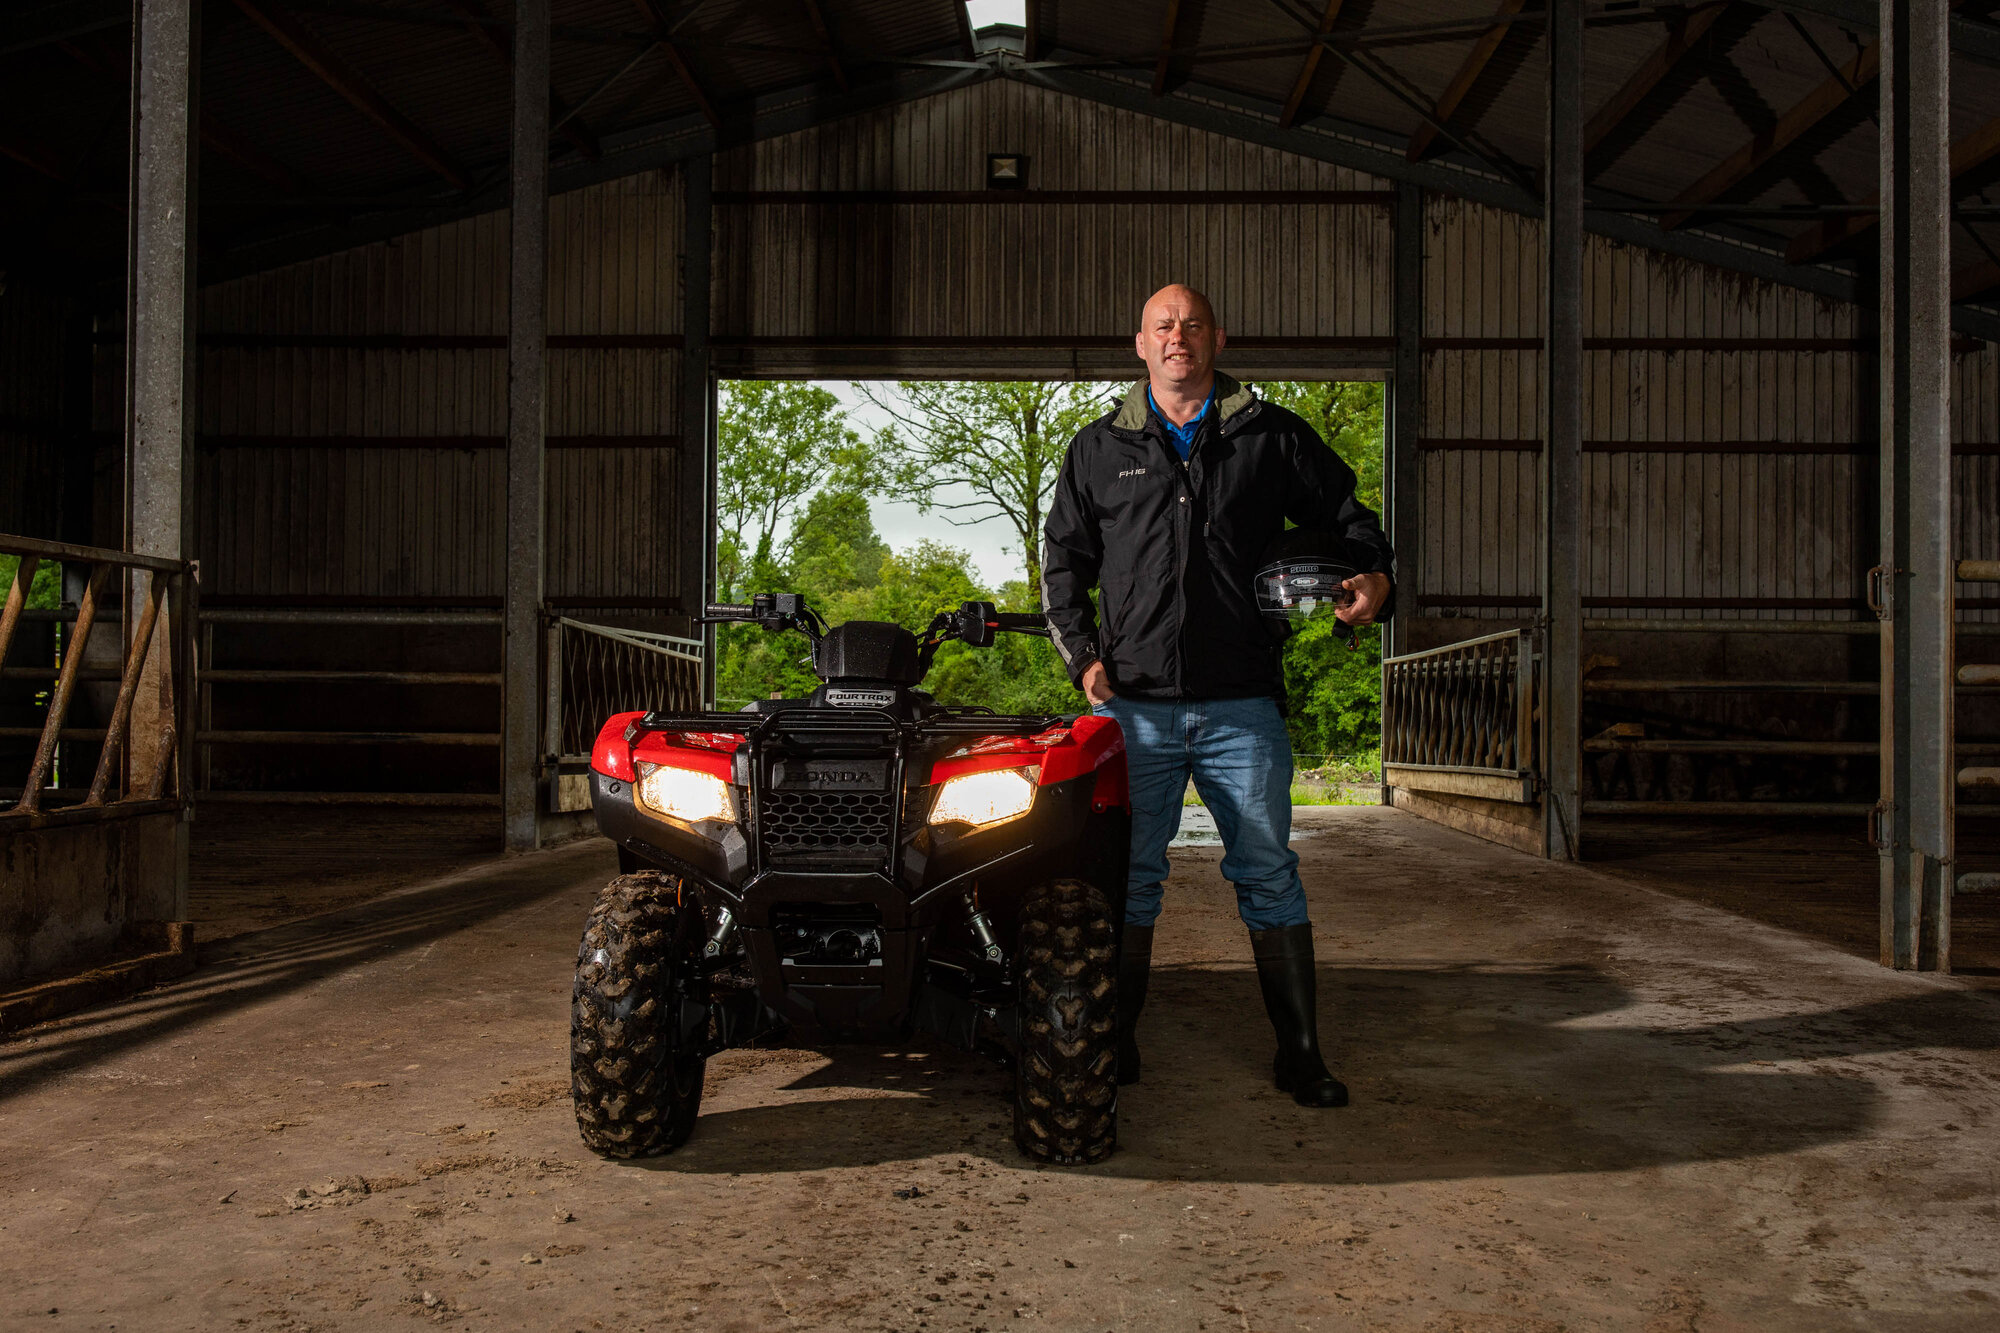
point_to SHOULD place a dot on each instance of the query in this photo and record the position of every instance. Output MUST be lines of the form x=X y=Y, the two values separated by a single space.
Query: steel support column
x=1406 y=410
x=1562 y=451
x=697 y=476
x=1914 y=582
x=159 y=354
x=527 y=376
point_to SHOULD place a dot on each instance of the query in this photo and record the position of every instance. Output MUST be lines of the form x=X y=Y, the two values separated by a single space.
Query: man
x=1165 y=508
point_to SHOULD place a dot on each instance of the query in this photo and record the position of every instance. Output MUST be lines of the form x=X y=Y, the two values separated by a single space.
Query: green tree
x=835 y=548
x=1334 y=692
x=977 y=450
x=44 y=590
x=777 y=444
x=1348 y=415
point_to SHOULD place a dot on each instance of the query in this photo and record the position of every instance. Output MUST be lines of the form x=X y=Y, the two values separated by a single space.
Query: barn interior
x=358 y=367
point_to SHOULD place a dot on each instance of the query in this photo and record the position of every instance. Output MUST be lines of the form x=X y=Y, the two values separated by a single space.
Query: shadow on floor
x=256 y=866
x=1457 y=1073
x=1818 y=877
x=259 y=966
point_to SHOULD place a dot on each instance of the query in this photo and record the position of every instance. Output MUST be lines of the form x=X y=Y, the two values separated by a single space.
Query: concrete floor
x=1579 y=1104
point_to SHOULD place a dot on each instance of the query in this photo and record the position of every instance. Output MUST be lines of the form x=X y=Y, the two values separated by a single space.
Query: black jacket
x=1172 y=547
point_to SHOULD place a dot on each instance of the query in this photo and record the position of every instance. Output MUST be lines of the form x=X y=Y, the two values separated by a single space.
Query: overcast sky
x=997 y=11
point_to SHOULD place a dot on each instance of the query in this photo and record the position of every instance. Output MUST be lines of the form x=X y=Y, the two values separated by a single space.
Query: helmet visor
x=1303 y=589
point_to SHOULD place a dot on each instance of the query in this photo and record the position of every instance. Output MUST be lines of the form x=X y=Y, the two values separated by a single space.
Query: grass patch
x=1320 y=779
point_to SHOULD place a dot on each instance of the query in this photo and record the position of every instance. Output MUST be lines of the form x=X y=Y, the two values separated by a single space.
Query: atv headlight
x=683 y=794
x=980 y=799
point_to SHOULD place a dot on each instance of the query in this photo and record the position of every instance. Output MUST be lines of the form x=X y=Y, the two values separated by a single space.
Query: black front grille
x=826 y=827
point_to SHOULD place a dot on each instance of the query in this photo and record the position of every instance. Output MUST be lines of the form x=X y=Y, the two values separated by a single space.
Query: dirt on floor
x=253 y=866
x=1579 y=1104
x=1820 y=877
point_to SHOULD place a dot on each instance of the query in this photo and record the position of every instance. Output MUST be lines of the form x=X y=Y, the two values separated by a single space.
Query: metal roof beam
x=1424 y=141
x=1972 y=38
x=1816 y=106
x=965 y=31
x=214 y=134
x=627 y=152
x=1654 y=70
x=1310 y=67
x=336 y=74
x=825 y=35
x=1166 y=48
x=1969 y=154
x=34 y=160
x=572 y=127
x=664 y=25
x=1364 y=148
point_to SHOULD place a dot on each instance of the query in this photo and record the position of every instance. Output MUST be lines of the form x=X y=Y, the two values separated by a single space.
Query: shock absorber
x=722 y=939
x=982 y=929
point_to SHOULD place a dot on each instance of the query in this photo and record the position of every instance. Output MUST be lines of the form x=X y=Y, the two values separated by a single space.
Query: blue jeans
x=1240 y=757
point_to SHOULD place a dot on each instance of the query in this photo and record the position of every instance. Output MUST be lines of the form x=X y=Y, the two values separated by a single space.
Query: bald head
x=1178 y=340
x=1176 y=296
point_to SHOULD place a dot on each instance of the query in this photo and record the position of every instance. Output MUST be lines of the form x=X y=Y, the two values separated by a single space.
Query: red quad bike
x=859 y=865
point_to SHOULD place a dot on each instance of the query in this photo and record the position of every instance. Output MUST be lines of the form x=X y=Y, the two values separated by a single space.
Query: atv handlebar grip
x=728 y=610
x=1020 y=620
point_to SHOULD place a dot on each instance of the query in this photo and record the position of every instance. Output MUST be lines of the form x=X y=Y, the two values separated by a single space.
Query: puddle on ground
x=1198 y=829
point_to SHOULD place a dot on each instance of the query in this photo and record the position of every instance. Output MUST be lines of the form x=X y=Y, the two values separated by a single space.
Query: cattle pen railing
x=1462 y=719
x=138 y=767
x=594 y=671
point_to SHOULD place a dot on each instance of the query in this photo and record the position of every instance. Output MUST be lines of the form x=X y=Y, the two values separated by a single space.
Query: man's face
x=1178 y=338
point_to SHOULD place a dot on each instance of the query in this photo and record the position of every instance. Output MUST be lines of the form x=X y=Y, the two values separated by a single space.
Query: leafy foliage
x=44 y=590
x=1334 y=692
x=1002 y=442
x=778 y=444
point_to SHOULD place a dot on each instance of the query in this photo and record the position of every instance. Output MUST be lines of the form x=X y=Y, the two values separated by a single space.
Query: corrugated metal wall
x=797 y=260
x=353 y=412
x=1729 y=425
x=1975 y=472
x=1731 y=458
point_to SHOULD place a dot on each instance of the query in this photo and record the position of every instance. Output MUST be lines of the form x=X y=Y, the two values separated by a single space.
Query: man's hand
x=1370 y=592
x=1097 y=683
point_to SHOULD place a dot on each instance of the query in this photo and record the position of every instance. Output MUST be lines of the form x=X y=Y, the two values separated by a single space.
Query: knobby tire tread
x=637 y=1094
x=1066 y=1077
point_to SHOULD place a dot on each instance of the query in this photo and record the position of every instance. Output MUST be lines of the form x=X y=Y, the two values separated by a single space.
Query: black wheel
x=636 y=1084
x=1066 y=1078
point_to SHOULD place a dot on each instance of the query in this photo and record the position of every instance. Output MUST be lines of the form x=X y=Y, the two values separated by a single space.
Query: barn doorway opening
x=884 y=499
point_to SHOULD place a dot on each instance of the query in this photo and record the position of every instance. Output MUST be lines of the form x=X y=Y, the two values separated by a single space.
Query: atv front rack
x=951 y=722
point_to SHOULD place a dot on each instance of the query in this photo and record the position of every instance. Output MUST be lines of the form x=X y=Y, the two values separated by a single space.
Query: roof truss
x=1829 y=97
x=1310 y=66
x=336 y=74
x=1425 y=141
x=1682 y=39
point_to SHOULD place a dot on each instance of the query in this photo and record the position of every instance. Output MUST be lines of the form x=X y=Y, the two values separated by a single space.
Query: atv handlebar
x=772 y=610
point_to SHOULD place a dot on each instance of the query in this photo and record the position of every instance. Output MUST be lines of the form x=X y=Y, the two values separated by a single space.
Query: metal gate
x=597 y=670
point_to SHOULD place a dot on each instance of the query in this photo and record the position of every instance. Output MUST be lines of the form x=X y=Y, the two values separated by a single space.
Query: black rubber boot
x=1285 y=972
x=1135 y=967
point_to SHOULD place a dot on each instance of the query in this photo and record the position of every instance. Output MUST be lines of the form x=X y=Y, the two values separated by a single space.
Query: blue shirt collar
x=1183 y=436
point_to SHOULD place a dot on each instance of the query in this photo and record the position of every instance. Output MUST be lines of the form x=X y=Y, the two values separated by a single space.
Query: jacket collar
x=1231 y=397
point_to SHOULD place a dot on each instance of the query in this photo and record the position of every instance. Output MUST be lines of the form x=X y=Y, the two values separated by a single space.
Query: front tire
x=1066 y=1077
x=635 y=1080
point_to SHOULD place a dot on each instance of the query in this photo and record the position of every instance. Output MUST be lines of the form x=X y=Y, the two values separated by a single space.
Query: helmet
x=1301 y=573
